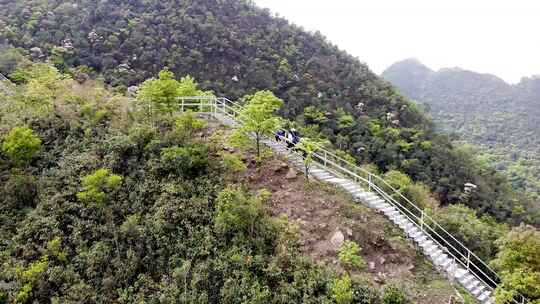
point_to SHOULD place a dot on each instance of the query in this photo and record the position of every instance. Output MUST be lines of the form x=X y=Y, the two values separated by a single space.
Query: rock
x=292 y=174
x=410 y=267
x=382 y=260
x=371 y=265
x=348 y=231
x=36 y=52
x=281 y=167
x=379 y=278
x=80 y=77
x=132 y=91
x=323 y=225
x=337 y=239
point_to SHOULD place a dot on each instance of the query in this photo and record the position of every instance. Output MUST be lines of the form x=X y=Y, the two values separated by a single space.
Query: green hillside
x=484 y=110
x=234 y=48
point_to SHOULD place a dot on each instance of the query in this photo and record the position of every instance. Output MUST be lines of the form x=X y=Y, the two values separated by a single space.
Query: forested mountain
x=104 y=202
x=504 y=119
x=233 y=48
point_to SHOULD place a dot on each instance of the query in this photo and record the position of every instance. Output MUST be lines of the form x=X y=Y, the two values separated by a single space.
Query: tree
x=349 y=255
x=308 y=147
x=164 y=92
x=21 y=144
x=313 y=115
x=258 y=116
x=479 y=235
x=518 y=262
x=397 y=180
x=98 y=185
x=190 y=160
x=161 y=92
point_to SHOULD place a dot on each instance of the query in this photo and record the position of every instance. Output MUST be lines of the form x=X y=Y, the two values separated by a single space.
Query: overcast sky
x=500 y=37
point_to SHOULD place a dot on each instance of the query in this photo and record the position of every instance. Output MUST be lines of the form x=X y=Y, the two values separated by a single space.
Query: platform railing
x=341 y=167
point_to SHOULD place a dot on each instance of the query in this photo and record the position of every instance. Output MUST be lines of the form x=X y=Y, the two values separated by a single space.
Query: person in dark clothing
x=280 y=135
x=290 y=139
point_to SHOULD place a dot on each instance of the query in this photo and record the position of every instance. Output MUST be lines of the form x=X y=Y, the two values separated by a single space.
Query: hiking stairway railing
x=328 y=160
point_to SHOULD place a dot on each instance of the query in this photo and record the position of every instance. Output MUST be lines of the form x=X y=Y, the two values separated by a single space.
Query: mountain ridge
x=482 y=109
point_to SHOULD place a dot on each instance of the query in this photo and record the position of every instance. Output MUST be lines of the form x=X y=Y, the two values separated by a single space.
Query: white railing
x=344 y=168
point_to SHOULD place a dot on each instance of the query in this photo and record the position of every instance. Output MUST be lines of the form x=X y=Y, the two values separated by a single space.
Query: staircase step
x=484 y=296
x=478 y=290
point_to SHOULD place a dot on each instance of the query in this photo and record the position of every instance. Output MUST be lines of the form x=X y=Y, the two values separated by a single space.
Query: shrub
x=349 y=255
x=397 y=179
x=394 y=295
x=341 y=290
x=417 y=193
x=364 y=292
x=233 y=163
x=238 y=212
x=21 y=144
x=191 y=160
x=20 y=190
x=187 y=124
x=97 y=185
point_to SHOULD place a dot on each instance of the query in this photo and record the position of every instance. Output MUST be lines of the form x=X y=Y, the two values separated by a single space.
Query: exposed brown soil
x=321 y=211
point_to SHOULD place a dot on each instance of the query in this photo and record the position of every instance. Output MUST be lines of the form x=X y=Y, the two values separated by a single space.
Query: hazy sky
x=500 y=37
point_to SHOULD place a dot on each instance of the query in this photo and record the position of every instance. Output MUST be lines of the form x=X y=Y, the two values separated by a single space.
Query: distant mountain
x=482 y=109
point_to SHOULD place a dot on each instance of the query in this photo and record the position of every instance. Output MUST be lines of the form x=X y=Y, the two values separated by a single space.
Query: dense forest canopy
x=482 y=109
x=234 y=48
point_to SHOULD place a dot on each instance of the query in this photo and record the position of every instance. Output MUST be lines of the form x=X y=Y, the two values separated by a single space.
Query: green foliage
x=187 y=124
x=364 y=292
x=54 y=248
x=10 y=58
x=21 y=144
x=258 y=115
x=189 y=160
x=341 y=290
x=19 y=190
x=233 y=163
x=161 y=92
x=152 y=224
x=417 y=193
x=240 y=213
x=476 y=108
x=304 y=69
x=519 y=264
x=307 y=147
x=397 y=180
x=349 y=255
x=344 y=120
x=98 y=185
x=394 y=295
x=313 y=115
x=479 y=235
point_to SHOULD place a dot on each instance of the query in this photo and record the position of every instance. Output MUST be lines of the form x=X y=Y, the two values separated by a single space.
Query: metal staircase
x=446 y=252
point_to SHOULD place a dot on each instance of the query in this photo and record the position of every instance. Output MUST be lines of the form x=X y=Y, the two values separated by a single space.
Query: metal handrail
x=343 y=167
x=423 y=216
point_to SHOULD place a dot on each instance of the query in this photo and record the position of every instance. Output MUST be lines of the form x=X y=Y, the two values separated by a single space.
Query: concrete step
x=472 y=285
x=484 y=296
x=478 y=290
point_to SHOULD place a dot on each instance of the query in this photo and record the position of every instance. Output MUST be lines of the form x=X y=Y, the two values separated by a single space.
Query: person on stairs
x=290 y=139
x=280 y=135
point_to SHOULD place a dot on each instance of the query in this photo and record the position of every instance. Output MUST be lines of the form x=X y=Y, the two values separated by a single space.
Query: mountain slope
x=235 y=48
x=483 y=110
